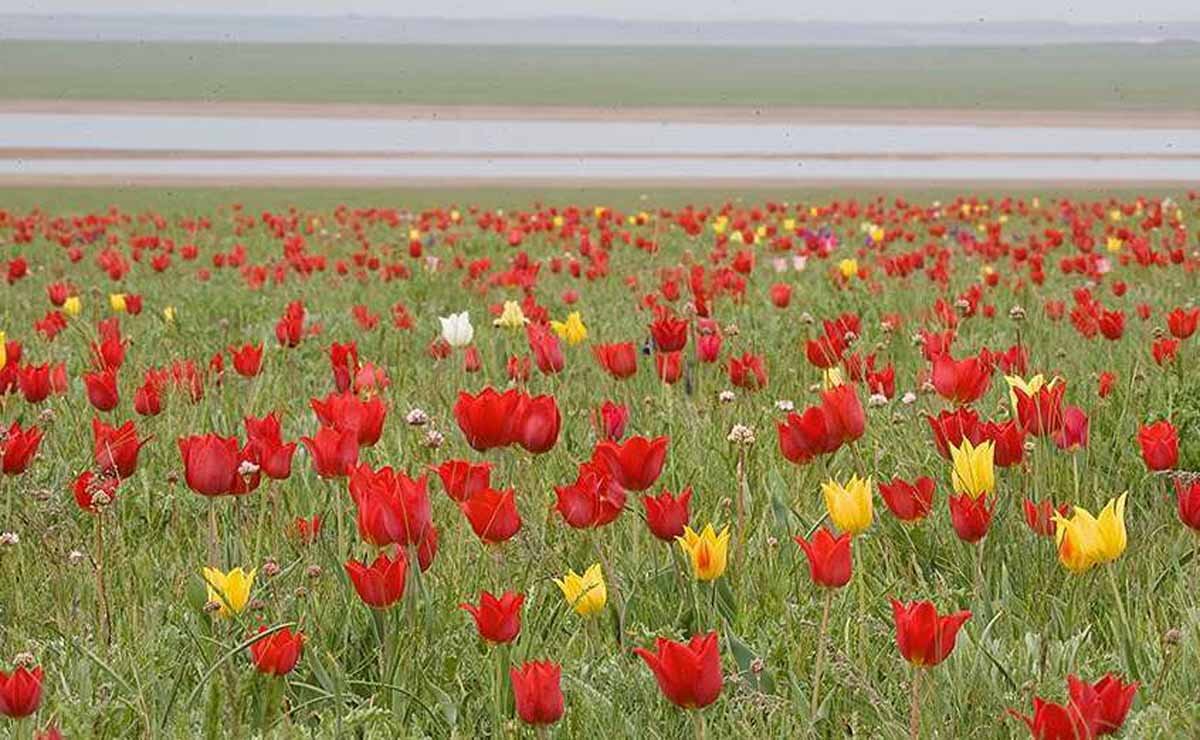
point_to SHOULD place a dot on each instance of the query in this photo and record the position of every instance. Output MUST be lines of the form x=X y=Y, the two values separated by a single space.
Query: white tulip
x=457 y=329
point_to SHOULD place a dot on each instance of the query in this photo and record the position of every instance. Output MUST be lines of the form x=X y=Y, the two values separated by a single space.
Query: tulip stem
x=742 y=495
x=102 y=612
x=213 y=538
x=698 y=724
x=914 y=716
x=1130 y=662
x=819 y=664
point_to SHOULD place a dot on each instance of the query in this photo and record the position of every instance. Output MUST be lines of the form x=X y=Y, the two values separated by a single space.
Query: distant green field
x=1079 y=77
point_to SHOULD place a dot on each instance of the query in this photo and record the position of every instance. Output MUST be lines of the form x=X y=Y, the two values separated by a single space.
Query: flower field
x=874 y=467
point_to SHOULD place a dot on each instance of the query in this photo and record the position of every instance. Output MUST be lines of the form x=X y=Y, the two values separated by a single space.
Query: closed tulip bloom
x=247 y=359
x=636 y=463
x=72 y=305
x=493 y=515
x=266 y=446
x=498 y=620
x=593 y=500
x=1008 y=440
x=961 y=381
x=668 y=366
x=971 y=516
x=667 y=515
x=803 y=437
x=669 y=333
x=748 y=372
x=380 y=584
x=212 y=465
x=20 y=692
x=1182 y=322
x=1187 y=499
x=346 y=411
x=1159 y=443
x=102 y=389
x=707 y=551
x=610 y=420
x=572 y=331
x=586 y=594
x=391 y=507
x=1081 y=541
x=457 y=330
x=1041 y=412
x=829 y=557
x=1113 y=699
x=34 y=381
x=537 y=424
x=462 y=479
x=277 y=653
x=230 y=591
x=849 y=505
x=909 y=502
x=115 y=449
x=973 y=469
x=618 y=360
x=924 y=638
x=546 y=349
x=487 y=419
x=537 y=692
x=17 y=448
x=688 y=674
x=334 y=453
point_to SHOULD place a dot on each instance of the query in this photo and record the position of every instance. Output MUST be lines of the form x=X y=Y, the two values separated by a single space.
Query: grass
x=173 y=670
x=1069 y=77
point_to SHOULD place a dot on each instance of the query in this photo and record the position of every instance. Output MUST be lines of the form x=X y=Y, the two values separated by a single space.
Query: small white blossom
x=741 y=434
x=726 y=396
x=416 y=418
x=9 y=538
x=434 y=439
x=785 y=405
x=908 y=398
x=876 y=400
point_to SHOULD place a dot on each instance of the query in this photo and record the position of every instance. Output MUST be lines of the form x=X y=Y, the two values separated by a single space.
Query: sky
x=1080 y=11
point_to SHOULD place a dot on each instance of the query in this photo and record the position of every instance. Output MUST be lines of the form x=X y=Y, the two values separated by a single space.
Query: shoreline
x=1132 y=118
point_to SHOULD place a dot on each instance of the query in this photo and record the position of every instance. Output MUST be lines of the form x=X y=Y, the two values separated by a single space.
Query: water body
x=129 y=146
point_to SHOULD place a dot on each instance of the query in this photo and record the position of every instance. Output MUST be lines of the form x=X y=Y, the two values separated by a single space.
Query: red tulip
x=668 y=367
x=519 y=368
x=17 y=448
x=748 y=372
x=1112 y=324
x=267 y=450
x=493 y=514
x=1050 y=721
x=610 y=419
x=537 y=690
x=1164 y=350
x=971 y=516
x=910 y=502
x=472 y=362
x=290 y=328
x=1039 y=517
x=392 y=508
x=803 y=437
x=636 y=463
x=667 y=515
x=1182 y=323
x=1106 y=382
x=333 y=452
x=92 y=491
x=829 y=558
x=487 y=420
x=20 y=692
x=147 y=399
x=277 y=653
x=593 y=500
x=1008 y=440
x=346 y=411
x=924 y=638
x=825 y=351
x=844 y=415
x=689 y=675
x=307 y=530
x=101 y=389
x=546 y=348
x=537 y=423
x=381 y=584
x=498 y=620
x=961 y=381
x=212 y=465
x=1042 y=413
x=34 y=381
x=1113 y=699
x=950 y=428
x=247 y=360
x=708 y=347
x=462 y=479
x=115 y=449
x=618 y=360
x=780 y=295
x=343 y=359
x=1160 y=445
x=1074 y=431
x=669 y=332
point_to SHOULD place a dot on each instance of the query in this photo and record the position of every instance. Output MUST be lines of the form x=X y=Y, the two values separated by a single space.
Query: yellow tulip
x=512 y=317
x=1110 y=526
x=849 y=505
x=3 y=350
x=230 y=590
x=586 y=594
x=1077 y=539
x=973 y=470
x=831 y=378
x=116 y=301
x=72 y=306
x=169 y=314
x=789 y=224
x=848 y=267
x=572 y=330
x=707 y=551
x=1113 y=244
